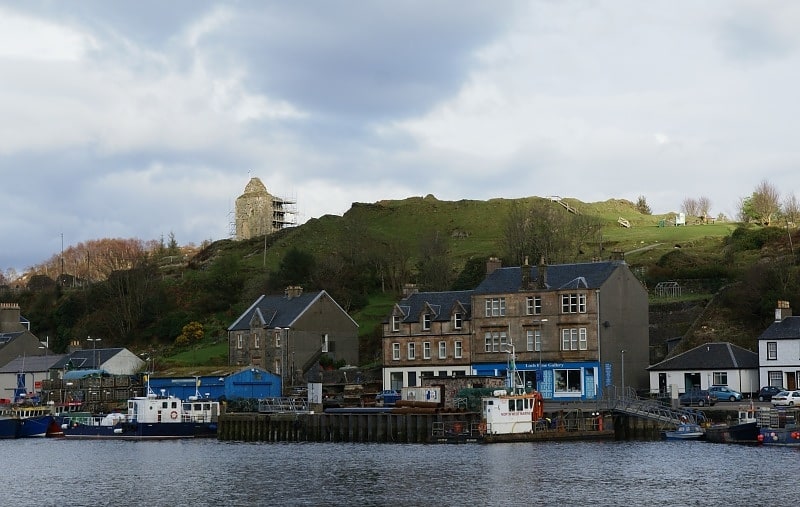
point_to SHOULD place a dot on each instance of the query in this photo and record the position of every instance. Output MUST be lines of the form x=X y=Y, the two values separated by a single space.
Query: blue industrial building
x=252 y=383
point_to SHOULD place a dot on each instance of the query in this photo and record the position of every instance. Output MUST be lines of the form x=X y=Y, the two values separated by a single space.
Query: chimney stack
x=293 y=291
x=526 y=275
x=782 y=311
x=493 y=264
x=541 y=278
x=409 y=288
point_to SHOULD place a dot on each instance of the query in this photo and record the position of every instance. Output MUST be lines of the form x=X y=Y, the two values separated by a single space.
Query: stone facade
x=259 y=213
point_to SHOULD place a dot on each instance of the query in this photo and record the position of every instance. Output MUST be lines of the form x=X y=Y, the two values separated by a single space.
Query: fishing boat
x=151 y=417
x=35 y=420
x=685 y=431
x=744 y=430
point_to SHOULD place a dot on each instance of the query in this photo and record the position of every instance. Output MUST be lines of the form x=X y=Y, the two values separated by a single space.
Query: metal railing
x=278 y=405
x=628 y=402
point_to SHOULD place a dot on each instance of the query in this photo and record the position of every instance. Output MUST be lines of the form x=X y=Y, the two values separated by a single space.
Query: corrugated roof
x=713 y=355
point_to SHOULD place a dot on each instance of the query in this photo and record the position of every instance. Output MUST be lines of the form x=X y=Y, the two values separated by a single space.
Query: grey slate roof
x=590 y=275
x=442 y=304
x=277 y=311
x=717 y=355
x=786 y=329
x=31 y=363
x=87 y=358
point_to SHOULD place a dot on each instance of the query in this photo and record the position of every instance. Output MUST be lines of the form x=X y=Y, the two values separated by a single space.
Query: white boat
x=685 y=431
x=504 y=413
x=149 y=417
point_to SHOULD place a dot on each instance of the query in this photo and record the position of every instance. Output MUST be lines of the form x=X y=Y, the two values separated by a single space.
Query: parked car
x=725 y=393
x=387 y=397
x=786 y=398
x=767 y=392
x=699 y=397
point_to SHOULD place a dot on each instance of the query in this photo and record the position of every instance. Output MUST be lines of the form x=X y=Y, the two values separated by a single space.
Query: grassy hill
x=223 y=279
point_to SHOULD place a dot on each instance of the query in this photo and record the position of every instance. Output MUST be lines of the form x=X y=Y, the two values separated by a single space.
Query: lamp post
x=94 y=350
x=622 y=370
x=540 y=373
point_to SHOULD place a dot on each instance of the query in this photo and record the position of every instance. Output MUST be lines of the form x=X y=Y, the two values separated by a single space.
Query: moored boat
x=685 y=431
x=35 y=421
x=779 y=427
x=744 y=430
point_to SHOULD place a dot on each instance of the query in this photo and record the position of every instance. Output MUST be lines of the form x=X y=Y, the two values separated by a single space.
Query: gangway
x=282 y=405
x=630 y=403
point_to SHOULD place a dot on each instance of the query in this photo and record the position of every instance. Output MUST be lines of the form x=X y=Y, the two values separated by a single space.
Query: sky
x=148 y=118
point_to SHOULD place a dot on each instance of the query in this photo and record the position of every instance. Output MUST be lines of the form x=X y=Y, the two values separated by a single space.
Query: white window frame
x=395 y=323
x=411 y=351
x=495 y=307
x=442 y=349
x=772 y=351
x=534 y=340
x=395 y=351
x=458 y=320
x=574 y=338
x=427 y=318
x=256 y=341
x=494 y=341
x=533 y=305
x=574 y=302
x=239 y=341
x=458 y=349
x=426 y=350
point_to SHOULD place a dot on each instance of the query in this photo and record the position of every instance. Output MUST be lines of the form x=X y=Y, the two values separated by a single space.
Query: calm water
x=44 y=472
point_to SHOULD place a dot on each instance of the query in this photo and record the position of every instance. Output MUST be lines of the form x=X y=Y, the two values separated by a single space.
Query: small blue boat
x=685 y=431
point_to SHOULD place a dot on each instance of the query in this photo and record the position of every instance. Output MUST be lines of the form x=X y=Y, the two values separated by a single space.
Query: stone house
x=288 y=334
x=428 y=334
x=16 y=339
x=571 y=329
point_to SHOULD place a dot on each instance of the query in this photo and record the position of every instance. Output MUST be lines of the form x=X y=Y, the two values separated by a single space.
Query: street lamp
x=622 y=372
x=94 y=350
x=540 y=373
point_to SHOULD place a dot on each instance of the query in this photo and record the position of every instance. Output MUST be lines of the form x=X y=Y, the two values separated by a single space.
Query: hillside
x=363 y=257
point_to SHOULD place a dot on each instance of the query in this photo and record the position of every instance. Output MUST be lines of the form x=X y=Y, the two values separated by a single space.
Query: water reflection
x=207 y=472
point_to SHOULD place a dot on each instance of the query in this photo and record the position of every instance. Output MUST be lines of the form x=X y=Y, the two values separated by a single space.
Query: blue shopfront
x=556 y=381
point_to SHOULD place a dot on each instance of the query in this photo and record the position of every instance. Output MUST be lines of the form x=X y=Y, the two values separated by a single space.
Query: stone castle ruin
x=259 y=213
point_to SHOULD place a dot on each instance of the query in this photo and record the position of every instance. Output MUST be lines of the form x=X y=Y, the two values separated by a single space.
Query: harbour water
x=57 y=472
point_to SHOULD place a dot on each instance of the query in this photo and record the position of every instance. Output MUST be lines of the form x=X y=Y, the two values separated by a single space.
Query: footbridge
x=627 y=402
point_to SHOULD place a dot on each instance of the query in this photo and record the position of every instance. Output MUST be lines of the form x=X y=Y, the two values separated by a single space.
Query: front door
x=691 y=381
x=791 y=381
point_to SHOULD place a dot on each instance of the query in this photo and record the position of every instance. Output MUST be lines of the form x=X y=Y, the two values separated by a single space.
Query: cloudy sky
x=137 y=119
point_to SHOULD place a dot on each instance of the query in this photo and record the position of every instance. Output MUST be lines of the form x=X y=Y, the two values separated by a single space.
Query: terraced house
x=572 y=329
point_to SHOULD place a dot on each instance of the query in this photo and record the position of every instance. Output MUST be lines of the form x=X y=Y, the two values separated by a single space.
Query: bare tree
x=791 y=208
x=703 y=207
x=690 y=206
x=765 y=202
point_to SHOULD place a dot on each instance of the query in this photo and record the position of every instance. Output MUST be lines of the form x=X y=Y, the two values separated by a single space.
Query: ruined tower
x=258 y=212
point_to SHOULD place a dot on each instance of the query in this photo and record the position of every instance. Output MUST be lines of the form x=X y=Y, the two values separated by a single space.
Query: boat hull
x=737 y=433
x=780 y=436
x=35 y=426
x=9 y=427
x=128 y=430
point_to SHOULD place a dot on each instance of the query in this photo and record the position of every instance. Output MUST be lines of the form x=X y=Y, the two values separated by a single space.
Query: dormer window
x=395 y=323
x=458 y=320
x=426 y=321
